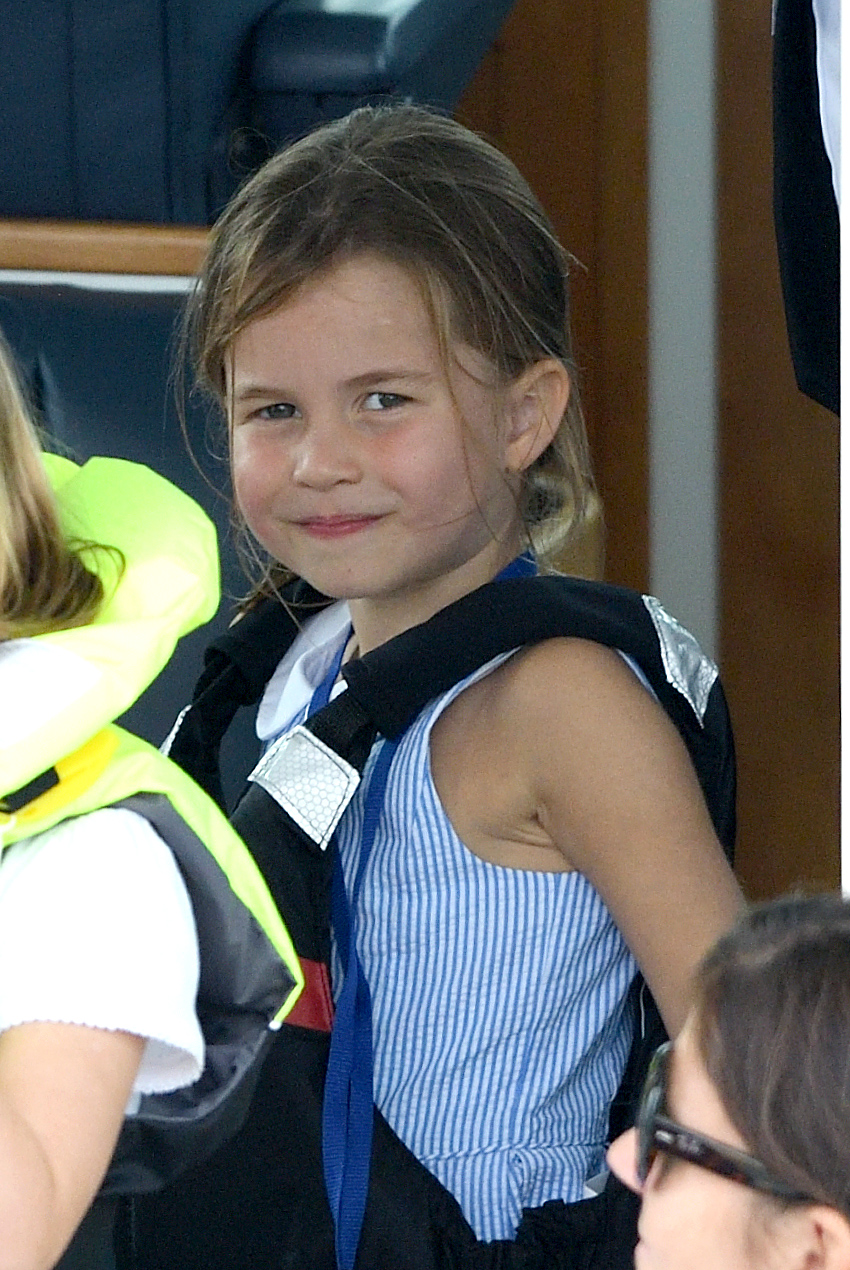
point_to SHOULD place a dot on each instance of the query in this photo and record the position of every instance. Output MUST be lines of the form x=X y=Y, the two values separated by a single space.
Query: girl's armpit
x=615 y=789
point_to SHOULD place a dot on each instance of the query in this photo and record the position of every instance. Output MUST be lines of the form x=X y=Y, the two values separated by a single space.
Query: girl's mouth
x=337 y=526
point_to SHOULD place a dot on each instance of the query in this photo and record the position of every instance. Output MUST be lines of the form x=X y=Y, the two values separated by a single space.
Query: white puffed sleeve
x=96 y=928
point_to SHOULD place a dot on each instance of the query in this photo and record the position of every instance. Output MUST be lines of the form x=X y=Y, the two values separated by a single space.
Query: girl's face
x=358 y=461
x=691 y=1219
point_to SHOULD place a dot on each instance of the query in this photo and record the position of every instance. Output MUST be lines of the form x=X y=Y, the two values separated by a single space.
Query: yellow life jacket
x=61 y=756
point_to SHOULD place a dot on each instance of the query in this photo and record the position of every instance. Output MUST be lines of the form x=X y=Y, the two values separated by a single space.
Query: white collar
x=302 y=668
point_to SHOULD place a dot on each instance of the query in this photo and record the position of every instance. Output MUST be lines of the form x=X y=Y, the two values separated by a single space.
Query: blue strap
x=524 y=566
x=348 y=1107
x=348 y=1110
x=322 y=695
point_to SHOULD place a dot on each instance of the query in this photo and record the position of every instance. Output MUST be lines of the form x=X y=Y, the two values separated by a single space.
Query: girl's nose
x=622 y=1159
x=326 y=456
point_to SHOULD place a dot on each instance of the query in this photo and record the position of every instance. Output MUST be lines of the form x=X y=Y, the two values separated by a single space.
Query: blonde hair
x=422 y=191
x=44 y=584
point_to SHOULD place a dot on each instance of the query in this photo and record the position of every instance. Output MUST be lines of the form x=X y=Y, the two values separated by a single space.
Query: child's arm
x=63 y=1091
x=615 y=791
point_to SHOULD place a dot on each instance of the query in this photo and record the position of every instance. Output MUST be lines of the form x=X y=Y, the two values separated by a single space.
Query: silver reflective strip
x=309 y=780
x=687 y=668
x=165 y=748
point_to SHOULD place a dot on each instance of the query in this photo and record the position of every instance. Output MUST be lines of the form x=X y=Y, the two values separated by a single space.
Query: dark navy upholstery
x=152 y=111
x=147 y=110
x=98 y=364
x=312 y=60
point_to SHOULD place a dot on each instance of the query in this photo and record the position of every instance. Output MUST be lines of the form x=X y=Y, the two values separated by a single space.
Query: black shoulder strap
x=395 y=681
x=392 y=684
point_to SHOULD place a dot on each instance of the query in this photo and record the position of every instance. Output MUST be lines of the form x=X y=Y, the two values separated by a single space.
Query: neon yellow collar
x=59 y=690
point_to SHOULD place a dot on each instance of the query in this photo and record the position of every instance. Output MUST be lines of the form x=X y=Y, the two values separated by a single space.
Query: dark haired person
x=742 y=1147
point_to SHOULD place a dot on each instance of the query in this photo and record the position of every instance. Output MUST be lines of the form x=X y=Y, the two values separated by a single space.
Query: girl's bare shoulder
x=615 y=789
x=584 y=720
x=571 y=680
x=542 y=702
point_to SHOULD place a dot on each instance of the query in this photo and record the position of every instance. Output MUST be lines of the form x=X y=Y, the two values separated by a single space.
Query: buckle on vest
x=28 y=793
x=311 y=782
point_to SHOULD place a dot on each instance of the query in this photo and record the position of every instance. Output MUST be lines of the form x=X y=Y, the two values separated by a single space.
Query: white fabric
x=828 y=58
x=96 y=928
x=302 y=667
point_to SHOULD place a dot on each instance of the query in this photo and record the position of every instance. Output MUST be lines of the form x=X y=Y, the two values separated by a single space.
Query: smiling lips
x=336 y=526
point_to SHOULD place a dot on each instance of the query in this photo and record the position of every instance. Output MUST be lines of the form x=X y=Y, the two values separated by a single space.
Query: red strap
x=315 y=1007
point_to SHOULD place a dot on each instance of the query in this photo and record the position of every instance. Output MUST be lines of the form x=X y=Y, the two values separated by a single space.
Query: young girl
x=99 y=946
x=383 y=318
x=742 y=1150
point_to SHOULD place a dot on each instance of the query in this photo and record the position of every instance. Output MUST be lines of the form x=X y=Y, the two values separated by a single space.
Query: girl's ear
x=820 y=1238
x=535 y=405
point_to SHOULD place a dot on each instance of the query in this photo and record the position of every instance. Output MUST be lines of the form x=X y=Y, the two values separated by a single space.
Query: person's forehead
x=364 y=308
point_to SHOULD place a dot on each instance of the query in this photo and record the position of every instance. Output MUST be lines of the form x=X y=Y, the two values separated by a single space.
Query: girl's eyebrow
x=251 y=392
x=382 y=374
x=248 y=392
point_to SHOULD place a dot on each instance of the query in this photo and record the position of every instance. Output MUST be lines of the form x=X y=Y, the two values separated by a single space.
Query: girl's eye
x=384 y=401
x=279 y=410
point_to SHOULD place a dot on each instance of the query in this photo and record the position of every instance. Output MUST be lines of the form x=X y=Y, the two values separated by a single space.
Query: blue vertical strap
x=348 y=1104
x=322 y=695
x=348 y=1109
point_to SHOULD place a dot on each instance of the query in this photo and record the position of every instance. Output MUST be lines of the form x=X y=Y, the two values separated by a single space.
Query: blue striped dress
x=498 y=998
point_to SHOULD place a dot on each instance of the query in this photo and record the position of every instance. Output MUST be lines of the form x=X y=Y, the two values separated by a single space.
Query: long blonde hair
x=44 y=584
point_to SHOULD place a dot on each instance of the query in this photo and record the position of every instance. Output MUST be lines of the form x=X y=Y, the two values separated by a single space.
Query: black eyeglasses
x=656 y=1132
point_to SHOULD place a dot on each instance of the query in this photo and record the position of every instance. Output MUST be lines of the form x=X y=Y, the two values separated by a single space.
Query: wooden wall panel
x=95 y=247
x=778 y=510
x=563 y=92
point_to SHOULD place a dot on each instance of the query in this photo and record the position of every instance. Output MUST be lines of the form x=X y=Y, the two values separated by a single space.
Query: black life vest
x=259 y=1203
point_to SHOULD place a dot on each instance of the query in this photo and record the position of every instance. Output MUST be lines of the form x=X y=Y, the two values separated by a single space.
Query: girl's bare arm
x=63 y=1091
x=615 y=790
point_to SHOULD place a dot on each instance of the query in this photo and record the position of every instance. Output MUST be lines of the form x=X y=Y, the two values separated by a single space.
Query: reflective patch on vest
x=311 y=782
x=687 y=668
